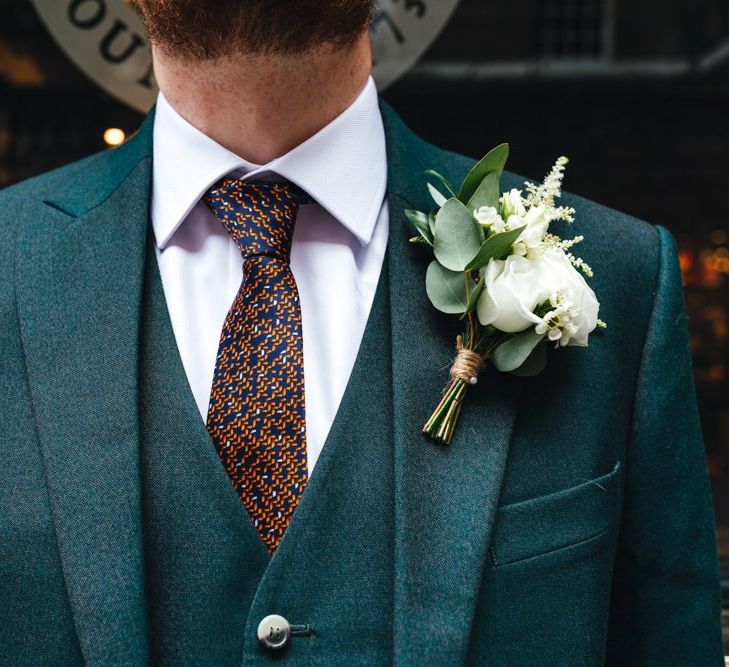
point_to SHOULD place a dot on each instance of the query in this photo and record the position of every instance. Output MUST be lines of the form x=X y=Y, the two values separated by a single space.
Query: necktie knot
x=259 y=217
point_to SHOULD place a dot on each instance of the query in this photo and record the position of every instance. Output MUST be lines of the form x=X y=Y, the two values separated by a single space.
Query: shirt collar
x=343 y=167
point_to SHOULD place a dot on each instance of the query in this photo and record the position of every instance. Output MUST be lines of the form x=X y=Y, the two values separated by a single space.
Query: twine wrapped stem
x=467 y=364
x=464 y=372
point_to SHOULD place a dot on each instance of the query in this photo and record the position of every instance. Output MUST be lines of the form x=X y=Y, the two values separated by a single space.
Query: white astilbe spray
x=551 y=189
x=553 y=241
x=566 y=213
x=580 y=264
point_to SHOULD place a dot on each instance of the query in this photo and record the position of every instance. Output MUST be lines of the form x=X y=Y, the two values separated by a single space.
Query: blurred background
x=635 y=92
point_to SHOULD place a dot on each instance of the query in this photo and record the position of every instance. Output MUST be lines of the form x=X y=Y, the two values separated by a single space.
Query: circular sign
x=402 y=31
x=107 y=41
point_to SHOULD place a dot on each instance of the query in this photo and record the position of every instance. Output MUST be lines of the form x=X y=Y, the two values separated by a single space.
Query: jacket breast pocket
x=541 y=525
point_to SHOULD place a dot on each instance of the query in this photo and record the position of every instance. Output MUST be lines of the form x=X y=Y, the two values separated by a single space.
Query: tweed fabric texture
x=256 y=416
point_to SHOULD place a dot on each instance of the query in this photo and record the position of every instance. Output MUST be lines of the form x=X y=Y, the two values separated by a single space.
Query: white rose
x=512 y=204
x=535 y=223
x=517 y=285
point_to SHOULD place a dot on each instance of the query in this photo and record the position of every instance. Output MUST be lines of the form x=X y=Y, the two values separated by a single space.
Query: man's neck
x=260 y=107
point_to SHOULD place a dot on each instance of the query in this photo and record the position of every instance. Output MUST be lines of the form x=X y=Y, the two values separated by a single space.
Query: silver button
x=274 y=632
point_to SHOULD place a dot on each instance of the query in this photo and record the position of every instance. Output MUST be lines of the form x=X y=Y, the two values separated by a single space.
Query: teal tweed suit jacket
x=569 y=523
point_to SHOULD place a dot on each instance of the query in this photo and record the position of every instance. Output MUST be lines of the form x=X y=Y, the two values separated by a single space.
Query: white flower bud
x=535 y=224
x=512 y=203
x=489 y=218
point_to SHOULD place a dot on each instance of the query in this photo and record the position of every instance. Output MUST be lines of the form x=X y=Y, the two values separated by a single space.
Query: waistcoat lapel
x=332 y=569
x=79 y=287
x=445 y=496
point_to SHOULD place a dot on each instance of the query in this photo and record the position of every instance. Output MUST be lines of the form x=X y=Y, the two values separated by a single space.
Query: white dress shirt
x=338 y=247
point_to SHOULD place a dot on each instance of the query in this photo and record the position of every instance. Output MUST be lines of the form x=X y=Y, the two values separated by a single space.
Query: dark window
x=572 y=29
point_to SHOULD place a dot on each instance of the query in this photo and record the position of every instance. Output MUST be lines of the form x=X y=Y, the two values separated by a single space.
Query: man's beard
x=196 y=30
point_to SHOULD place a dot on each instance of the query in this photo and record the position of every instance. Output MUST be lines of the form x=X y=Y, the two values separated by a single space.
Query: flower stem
x=440 y=411
x=442 y=423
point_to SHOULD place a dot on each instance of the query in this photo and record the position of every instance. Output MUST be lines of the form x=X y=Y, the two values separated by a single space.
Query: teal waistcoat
x=209 y=579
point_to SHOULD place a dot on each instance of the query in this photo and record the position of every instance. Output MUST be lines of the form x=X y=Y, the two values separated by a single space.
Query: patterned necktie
x=256 y=417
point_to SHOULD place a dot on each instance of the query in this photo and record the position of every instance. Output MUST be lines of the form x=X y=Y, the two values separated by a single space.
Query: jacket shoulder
x=50 y=183
x=23 y=205
x=24 y=213
x=604 y=228
x=77 y=187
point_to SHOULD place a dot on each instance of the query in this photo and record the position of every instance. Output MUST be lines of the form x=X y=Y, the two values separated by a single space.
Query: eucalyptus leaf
x=488 y=193
x=446 y=289
x=457 y=236
x=514 y=352
x=419 y=220
x=431 y=222
x=495 y=247
x=535 y=363
x=495 y=160
x=438 y=197
x=445 y=182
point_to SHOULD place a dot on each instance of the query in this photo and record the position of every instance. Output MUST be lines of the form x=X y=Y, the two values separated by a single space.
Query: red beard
x=209 y=29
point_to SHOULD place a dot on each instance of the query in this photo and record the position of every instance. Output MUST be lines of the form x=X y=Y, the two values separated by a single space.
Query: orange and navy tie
x=256 y=416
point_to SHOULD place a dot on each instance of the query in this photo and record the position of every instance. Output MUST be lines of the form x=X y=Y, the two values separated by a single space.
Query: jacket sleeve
x=665 y=607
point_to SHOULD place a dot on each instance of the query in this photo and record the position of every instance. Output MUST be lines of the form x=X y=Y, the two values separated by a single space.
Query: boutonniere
x=515 y=285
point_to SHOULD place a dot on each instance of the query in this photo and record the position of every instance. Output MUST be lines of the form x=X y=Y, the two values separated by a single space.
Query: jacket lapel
x=446 y=497
x=79 y=291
